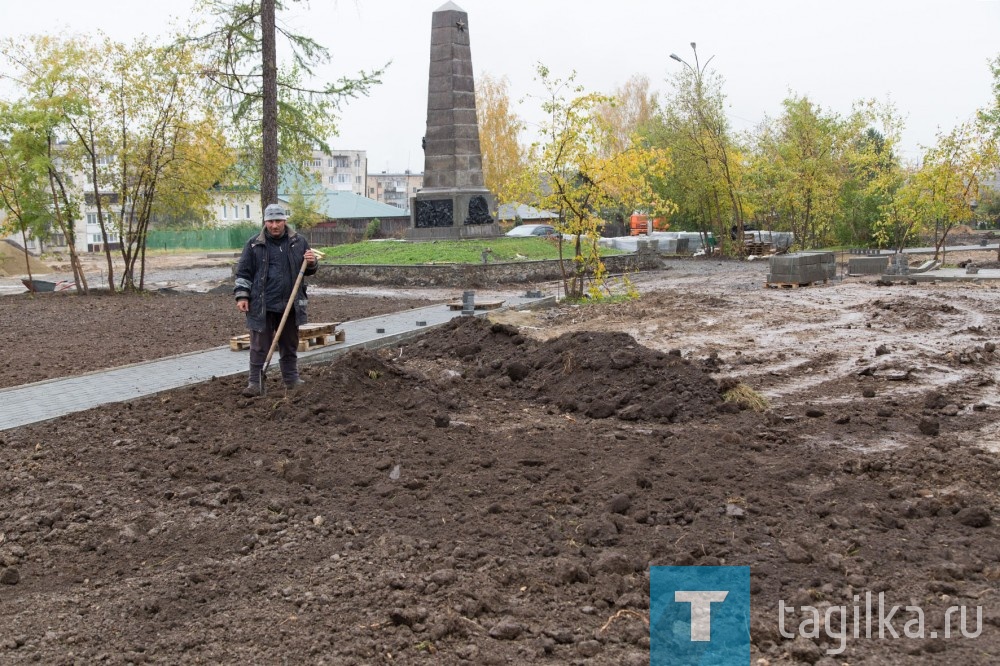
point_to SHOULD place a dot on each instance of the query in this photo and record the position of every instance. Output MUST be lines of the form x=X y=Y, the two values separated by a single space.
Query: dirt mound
x=12 y=261
x=598 y=374
x=419 y=504
x=920 y=314
x=356 y=381
x=378 y=512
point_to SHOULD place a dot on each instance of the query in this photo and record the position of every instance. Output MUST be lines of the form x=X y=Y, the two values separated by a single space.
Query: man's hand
x=310 y=257
x=243 y=305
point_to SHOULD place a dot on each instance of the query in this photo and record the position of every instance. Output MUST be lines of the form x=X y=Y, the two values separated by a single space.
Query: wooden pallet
x=760 y=249
x=313 y=330
x=320 y=340
x=479 y=305
x=239 y=342
x=311 y=336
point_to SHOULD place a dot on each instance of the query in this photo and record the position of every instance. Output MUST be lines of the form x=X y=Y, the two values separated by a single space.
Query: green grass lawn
x=448 y=252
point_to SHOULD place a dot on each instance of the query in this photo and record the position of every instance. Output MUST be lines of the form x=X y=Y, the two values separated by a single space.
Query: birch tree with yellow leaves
x=131 y=120
x=940 y=194
x=33 y=127
x=500 y=131
x=630 y=109
x=569 y=173
x=799 y=162
x=167 y=148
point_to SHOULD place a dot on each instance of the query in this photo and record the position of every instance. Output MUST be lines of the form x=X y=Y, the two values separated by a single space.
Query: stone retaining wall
x=471 y=275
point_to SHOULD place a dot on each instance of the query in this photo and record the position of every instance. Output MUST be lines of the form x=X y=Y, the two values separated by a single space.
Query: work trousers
x=288 y=345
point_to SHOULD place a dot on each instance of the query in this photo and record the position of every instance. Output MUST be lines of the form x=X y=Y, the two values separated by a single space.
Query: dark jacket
x=251 y=277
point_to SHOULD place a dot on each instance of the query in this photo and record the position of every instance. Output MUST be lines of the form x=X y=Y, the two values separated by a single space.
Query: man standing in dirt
x=265 y=277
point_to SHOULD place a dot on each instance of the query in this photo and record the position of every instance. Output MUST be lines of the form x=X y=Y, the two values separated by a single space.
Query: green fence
x=224 y=238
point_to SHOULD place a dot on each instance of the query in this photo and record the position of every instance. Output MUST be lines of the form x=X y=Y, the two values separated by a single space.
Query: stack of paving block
x=867 y=265
x=802 y=268
x=899 y=265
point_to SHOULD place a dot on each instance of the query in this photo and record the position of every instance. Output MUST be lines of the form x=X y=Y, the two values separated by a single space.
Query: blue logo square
x=699 y=616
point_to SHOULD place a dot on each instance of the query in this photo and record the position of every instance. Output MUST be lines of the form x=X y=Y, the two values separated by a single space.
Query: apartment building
x=394 y=189
x=86 y=230
x=340 y=170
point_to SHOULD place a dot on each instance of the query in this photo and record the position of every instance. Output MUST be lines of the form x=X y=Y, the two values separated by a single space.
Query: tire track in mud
x=832 y=344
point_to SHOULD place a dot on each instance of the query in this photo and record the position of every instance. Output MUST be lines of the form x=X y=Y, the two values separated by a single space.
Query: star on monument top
x=460 y=25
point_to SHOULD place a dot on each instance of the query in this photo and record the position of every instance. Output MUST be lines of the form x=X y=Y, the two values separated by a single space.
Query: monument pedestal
x=442 y=213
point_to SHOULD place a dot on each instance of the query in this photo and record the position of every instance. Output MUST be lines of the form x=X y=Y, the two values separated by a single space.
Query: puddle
x=990 y=438
x=858 y=444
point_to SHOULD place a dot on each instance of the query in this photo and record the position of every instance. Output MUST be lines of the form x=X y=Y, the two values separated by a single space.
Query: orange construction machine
x=642 y=224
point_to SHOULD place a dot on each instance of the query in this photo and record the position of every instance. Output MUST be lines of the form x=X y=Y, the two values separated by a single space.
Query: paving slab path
x=53 y=398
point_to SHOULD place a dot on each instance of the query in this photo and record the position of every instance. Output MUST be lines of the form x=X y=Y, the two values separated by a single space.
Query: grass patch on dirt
x=404 y=253
x=745 y=396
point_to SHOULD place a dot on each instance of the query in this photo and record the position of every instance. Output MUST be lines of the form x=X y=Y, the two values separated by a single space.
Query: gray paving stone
x=52 y=398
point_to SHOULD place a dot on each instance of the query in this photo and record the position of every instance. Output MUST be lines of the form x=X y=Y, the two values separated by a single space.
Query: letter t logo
x=701 y=610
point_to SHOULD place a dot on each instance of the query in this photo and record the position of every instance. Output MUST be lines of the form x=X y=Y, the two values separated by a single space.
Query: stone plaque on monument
x=453 y=203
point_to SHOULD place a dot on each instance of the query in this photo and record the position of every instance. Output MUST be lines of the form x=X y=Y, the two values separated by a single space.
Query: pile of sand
x=12 y=261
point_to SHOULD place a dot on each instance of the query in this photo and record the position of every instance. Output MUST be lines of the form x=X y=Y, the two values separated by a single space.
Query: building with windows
x=85 y=228
x=340 y=170
x=237 y=206
x=343 y=171
x=94 y=238
x=394 y=189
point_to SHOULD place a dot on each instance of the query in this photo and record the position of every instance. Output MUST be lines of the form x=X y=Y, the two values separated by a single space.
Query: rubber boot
x=253 y=384
x=290 y=372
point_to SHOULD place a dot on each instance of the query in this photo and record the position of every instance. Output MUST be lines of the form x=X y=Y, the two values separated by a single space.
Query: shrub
x=372 y=229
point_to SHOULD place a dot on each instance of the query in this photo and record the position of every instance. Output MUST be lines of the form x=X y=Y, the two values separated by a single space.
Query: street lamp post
x=698 y=70
x=715 y=132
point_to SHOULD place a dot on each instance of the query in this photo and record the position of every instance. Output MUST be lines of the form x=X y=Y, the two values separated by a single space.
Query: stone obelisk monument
x=453 y=203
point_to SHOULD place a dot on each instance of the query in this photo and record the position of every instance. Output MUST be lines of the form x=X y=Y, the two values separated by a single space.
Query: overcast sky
x=928 y=57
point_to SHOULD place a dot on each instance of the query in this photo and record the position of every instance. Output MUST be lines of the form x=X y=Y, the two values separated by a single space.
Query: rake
x=284 y=319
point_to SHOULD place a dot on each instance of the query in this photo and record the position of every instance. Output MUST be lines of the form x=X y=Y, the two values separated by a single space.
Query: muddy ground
x=495 y=491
